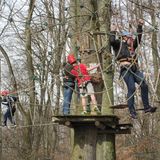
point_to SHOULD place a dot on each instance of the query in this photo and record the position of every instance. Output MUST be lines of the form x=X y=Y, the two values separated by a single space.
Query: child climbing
x=81 y=72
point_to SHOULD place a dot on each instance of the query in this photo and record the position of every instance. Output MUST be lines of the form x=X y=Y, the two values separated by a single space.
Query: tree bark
x=96 y=18
x=106 y=147
x=30 y=68
x=13 y=79
x=84 y=143
x=156 y=58
x=29 y=55
x=106 y=143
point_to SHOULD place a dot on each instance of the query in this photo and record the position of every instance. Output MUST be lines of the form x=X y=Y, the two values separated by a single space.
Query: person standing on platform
x=68 y=84
x=81 y=72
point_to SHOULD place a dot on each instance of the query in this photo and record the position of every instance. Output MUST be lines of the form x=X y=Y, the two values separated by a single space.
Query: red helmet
x=71 y=59
x=4 y=93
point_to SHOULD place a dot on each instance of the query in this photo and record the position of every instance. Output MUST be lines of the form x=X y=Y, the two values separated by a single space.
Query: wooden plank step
x=140 y=109
x=119 y=129
x=119 y=106
x=125 y=125
x=100 y=121
x=115 y=131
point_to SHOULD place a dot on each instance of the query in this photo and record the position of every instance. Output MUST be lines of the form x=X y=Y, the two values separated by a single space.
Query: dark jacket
x=121 y=48
x=9 y=101
x=67 y=76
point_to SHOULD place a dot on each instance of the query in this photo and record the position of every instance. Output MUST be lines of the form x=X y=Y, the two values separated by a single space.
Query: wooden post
x=84 y=143
x=94 y=136
x=86 y=137
x=106 y=147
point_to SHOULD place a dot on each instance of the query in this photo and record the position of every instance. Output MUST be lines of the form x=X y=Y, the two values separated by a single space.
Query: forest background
x=35 y=38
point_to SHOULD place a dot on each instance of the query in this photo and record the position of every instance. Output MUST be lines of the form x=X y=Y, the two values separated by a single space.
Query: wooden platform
x=104 y=123
x=119 y=106
x=119 y=129
x=77 y=120
x=140 y=109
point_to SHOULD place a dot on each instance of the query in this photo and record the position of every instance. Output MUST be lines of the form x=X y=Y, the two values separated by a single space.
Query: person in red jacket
x=80 y=71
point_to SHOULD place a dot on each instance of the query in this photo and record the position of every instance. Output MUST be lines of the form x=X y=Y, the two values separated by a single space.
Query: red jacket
x=81 y=73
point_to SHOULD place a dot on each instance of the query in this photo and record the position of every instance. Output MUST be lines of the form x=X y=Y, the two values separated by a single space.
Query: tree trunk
x=106 y=143
x=29 y=55
x=106 y=147
x=84 y=21
x=27 y=134
x=156 y=58
x=13 y=79
x=92 y=14
x=84 y=143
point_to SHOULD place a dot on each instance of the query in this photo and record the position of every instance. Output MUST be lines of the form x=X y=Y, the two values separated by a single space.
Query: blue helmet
x=126 y=33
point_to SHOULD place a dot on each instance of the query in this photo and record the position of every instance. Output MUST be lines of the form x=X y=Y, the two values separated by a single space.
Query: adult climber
x=125 y=53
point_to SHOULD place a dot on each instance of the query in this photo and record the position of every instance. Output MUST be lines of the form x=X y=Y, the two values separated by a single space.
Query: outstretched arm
x=139 y=34
x=93 y=67
x=115 y=43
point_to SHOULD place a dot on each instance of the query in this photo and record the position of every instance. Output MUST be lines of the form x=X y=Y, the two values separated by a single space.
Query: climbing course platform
x=103 y=123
